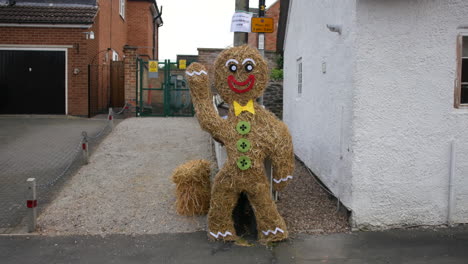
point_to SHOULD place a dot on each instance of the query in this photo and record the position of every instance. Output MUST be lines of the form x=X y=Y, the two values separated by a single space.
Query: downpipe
x=450 y=183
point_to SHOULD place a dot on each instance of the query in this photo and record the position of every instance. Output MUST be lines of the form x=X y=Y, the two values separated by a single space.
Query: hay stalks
x=193 y=187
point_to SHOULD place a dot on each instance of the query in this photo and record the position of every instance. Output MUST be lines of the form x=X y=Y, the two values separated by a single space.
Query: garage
x=32 y=81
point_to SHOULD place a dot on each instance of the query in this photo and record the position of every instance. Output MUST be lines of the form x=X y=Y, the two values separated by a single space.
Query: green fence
x=166 y=94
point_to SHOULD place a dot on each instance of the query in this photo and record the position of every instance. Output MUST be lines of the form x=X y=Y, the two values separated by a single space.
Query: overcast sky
x=190 y=24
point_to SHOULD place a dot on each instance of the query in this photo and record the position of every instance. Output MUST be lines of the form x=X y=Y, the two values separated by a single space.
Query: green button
x=243 y=127
x=244 y=162
x=243 y=145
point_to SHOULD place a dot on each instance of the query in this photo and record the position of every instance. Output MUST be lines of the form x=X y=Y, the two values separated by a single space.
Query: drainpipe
x=450 y=183
x=154 y=30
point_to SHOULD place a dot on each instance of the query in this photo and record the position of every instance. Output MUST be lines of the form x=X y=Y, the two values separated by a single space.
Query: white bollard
x=31 y=203
x=84 y=147
x=110 y=117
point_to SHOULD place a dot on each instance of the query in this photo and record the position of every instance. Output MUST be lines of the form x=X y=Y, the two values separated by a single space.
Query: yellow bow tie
x=248 y=107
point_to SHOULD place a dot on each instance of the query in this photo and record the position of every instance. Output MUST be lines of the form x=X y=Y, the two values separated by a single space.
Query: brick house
x=46 y=47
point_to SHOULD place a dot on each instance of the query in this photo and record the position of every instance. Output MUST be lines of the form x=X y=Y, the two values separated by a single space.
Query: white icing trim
x=197 y=73
x=227 y=233
x=231 y=60
x=283 y=179
x=248 y=59
x=273 y=232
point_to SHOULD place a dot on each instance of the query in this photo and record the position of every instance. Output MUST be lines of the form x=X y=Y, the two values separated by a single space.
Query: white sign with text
x=241 y=22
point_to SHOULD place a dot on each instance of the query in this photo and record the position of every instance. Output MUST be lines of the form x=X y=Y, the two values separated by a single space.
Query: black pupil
x=233 y=68
x=249 y=67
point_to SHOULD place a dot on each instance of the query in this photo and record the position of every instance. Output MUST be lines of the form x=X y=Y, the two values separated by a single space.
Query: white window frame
x=458 y=81
x=122 y=8
x=300 y=78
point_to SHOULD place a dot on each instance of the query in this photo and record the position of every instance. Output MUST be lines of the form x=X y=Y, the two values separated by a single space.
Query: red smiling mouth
x=250 y=81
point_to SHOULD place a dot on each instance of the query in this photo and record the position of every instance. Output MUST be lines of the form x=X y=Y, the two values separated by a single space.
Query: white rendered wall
x=404 y=119
x=320 y=119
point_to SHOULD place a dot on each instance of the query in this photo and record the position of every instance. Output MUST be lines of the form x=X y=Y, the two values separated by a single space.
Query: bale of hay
x=193 y=187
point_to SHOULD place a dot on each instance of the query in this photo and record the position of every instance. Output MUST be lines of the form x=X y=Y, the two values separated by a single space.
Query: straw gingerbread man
x=250 y=134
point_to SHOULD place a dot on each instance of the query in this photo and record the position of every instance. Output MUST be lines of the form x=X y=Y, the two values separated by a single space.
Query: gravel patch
x=307 y=208
x=126 y=186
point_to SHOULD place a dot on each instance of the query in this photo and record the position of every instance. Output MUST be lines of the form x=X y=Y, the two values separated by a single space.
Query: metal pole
x=31 y=203
x=261 y=36
x=240 y=38
x=450 y=183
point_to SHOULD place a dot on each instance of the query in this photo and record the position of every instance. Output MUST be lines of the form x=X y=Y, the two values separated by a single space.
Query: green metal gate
x=166 y=95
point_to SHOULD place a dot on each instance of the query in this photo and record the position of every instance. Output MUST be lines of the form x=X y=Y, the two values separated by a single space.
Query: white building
x=375 y=110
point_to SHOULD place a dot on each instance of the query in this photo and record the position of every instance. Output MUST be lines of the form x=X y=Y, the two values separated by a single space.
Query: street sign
x=262 y=25
x=153 y=66
x=182 y=64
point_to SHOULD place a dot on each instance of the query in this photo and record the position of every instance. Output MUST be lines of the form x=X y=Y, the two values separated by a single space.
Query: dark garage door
x=32 y=82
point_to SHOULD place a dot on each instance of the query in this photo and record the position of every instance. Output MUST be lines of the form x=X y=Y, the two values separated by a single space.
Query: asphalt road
x=40 y=148
x=447 y=246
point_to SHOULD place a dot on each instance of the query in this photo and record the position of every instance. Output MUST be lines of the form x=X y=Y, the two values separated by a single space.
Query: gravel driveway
x=126 y=187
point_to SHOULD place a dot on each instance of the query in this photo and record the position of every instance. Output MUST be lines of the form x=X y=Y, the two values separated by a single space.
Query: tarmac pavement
x=39 y=147
x=442 y=246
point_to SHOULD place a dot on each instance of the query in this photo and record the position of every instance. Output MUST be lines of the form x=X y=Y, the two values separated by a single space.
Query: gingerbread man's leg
x=270 y=224
x=223 y=201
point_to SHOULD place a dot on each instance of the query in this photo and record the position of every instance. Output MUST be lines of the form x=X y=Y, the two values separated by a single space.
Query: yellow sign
x=182 y=64
x=262 y=25
x=153 y=66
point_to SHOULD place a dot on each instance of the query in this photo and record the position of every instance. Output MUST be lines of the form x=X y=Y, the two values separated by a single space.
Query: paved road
x=35 y=147
x=447 y=246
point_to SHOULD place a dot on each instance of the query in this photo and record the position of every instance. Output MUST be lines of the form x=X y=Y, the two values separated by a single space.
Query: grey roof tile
x=47 y=14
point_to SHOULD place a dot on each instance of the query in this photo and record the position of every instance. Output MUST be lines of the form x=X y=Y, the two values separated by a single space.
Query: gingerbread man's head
x=241 y=74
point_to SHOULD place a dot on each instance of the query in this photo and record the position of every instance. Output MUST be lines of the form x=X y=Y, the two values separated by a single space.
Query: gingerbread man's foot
x=226 y=236
x=272 y=235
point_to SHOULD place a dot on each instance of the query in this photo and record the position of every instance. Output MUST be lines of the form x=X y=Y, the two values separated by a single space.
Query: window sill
x=463 y=110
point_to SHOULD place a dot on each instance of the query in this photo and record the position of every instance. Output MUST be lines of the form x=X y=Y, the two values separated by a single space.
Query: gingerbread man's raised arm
x=282 y=159
x=199 y=85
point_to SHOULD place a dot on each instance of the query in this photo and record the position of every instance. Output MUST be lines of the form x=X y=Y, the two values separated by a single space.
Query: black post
x=261 y=8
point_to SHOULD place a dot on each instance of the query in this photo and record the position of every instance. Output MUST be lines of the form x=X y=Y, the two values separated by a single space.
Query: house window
x=115 y=56
x=122 y=8
x=299 y=77
x=461 y=89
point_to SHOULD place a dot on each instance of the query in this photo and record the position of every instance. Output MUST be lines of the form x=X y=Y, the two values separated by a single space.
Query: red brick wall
x=140 y=27
x=111 y=30
x=130 y=80
x=270 y=38
x=77 y=57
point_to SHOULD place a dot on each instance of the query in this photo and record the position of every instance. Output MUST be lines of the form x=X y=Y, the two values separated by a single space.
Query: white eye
x=233 y=68
x=249 y=67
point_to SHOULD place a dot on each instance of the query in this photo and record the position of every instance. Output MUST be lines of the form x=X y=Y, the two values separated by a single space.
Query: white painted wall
x=404 y=118
x=392 y=71
x=320 y=120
